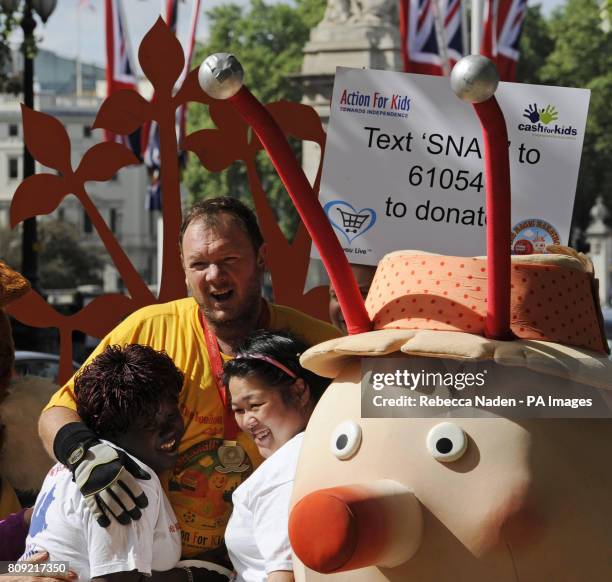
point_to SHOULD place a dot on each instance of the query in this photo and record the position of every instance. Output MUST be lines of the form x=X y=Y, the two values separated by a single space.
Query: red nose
x=354 y=526
x=337 y=529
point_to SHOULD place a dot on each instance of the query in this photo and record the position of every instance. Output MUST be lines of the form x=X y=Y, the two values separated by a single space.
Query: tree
x=582 y=57
x=268 y=40
x=535 y=46
x=12 y=17
x=10 y=247
x=65 y=261
x=573 y=48
x=8 y=23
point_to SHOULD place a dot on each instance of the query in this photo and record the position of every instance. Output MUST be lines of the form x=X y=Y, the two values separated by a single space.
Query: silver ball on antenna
x=221 y=75
x=474 y=79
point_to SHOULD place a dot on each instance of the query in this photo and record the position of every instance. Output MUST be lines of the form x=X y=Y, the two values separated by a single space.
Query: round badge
x=532 y=236
x=522 y=247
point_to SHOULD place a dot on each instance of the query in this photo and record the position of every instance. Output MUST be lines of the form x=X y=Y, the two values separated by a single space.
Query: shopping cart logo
x=345 y=218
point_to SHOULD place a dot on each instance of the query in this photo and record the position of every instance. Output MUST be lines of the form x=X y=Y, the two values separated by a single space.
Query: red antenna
x=474 y=79
x=221 y=76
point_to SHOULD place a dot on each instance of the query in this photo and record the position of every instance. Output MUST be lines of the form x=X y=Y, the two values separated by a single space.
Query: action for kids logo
x=389 y=105
x=542 y=122
x=532 y=236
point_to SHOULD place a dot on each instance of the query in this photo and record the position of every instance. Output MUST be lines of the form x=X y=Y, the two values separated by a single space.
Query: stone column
x=599 y=237
x=353 y=33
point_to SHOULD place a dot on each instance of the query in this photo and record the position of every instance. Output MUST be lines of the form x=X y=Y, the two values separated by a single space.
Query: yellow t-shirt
x=207 y=470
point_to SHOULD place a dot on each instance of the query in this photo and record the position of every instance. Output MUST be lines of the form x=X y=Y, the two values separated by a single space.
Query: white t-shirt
x=257 y=535
x=63 y=526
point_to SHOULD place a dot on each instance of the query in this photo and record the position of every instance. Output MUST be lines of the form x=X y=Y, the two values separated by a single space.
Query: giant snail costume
x=377 y=499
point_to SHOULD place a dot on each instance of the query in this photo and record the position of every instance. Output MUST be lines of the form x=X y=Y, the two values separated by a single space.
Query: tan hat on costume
x=433 y=305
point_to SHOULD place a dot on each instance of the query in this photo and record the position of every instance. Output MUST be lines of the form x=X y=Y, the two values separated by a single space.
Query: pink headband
x=268 y=359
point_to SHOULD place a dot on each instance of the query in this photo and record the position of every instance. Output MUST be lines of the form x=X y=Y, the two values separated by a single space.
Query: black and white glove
x=105 y=476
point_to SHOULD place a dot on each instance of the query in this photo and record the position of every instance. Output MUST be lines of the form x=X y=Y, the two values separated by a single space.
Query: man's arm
x=51 y=420
x=105 y=476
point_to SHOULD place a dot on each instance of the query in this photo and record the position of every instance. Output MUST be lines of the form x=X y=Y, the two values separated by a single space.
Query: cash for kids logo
x=393 y=105
x=542 y=122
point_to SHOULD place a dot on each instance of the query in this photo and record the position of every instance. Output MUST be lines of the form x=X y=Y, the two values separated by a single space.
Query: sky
x=70 y=26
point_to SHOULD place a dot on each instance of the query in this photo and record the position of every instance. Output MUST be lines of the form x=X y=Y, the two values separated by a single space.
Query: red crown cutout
x=548 y=301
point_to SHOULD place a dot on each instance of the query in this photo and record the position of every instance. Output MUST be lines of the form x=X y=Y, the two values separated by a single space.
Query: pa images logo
x=349 y=221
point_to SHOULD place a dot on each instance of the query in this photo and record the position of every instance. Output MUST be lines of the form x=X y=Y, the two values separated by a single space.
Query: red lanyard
x=230 y=427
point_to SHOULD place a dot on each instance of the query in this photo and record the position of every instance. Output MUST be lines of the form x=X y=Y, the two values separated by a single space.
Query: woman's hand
x=39 y=558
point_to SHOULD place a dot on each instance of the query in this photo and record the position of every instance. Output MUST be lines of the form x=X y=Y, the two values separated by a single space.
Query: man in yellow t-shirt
x=224 y=260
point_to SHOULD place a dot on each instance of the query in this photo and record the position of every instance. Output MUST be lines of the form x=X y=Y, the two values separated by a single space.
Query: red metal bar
x=498 y=206
x=308 y=207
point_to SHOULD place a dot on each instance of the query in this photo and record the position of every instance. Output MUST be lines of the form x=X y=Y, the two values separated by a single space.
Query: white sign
x=404 y=165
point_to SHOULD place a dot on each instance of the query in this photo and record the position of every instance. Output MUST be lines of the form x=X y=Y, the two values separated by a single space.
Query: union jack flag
x=451 y=11
x=431 y=35
x=502 y=34
x=171 y=13
x=182 y=111
x=151 y=142
x=120 y=70
x=152 y=146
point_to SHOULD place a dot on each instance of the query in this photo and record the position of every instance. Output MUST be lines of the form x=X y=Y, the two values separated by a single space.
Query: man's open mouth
x=221 y=296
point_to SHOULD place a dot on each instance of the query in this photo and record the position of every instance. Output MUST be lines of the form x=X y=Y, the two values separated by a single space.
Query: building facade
x=120 y=201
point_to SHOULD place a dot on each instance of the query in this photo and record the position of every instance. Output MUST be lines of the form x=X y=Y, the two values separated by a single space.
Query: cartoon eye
x=446 y=442
x=345 y=440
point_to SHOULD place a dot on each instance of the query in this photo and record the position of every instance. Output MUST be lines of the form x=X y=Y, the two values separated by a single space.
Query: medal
x=231 y=456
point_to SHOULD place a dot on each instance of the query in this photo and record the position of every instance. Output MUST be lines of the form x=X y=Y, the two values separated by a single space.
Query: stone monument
x=599 y=237
x=353 y=33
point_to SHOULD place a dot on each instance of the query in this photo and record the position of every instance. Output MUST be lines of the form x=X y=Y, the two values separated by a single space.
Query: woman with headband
x=272 y=399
